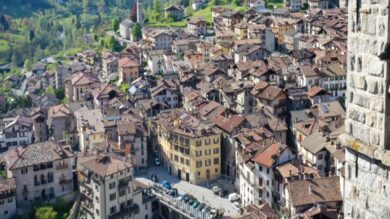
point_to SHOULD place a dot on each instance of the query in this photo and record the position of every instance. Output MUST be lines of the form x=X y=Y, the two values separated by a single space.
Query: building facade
x=190 y=148
x=43 y=171
x=107 y=190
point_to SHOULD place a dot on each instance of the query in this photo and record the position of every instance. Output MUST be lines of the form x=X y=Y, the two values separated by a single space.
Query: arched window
x=43 y=181
x=50 y=177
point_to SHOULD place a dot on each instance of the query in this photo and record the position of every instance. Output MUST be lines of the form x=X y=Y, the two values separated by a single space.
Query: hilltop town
x=233 y=114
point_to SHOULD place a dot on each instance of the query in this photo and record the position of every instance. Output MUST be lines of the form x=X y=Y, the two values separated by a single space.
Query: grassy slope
x=205 y=12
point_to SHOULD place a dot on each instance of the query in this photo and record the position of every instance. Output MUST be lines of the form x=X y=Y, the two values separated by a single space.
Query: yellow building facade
x=189 y=156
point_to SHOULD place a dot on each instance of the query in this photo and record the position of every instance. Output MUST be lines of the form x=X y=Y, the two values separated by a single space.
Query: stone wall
x=367 y=79
x=367 y=190
x=367 y=138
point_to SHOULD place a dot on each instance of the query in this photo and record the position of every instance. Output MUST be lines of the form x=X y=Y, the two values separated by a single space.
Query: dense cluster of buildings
x=258 y=98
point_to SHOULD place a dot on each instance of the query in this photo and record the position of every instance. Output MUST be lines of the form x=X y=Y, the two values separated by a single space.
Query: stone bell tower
x=139 y=12
x=367 y=138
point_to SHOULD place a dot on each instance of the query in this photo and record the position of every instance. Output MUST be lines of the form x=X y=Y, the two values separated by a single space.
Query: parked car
x=191 y=201
x=187 y=198
x=166 y=185
x=201 y=206
x=212 y=213
x=234 y=197
x=237 y=205
x=173 y=192
x=216 y=189
x=206 y=209
x=180 y=197
x=154 y=178
x=195 y=204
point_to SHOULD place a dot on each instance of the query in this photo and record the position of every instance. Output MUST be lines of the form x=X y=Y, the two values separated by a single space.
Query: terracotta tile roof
x=267 y=157
x=105 y=165
x=127 y=62
x=7 y=184
x=37 y=153
x=313 y=91
x=228 y=124
x=295 y=168
x=316 y=190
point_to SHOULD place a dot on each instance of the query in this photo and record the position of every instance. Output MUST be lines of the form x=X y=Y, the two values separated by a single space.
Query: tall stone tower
x=367 y=138
x=139 y=12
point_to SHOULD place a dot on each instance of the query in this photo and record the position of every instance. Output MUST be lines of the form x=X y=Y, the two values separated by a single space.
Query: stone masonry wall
x=367 y=193
x=367 y=168
x=367 y=74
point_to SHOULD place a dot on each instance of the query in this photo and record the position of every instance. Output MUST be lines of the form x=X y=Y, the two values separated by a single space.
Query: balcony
x=126 y=211
x=64 y=181
x=88 y=206
x=7 y=194
x=62 y=166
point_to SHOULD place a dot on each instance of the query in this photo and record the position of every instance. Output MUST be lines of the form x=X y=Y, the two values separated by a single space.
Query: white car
x=237 y=205
x=233 y=197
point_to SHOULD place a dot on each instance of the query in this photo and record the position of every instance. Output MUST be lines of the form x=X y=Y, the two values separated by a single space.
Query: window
x=320 y=167
x=176 y=158
x=198 y=143
x=122 y=193
x=320 y=156
x=208 y=162
x=216 y=170
x=198 y=153
x=207 y=141
x=216 y=150
x=181 y=160
x=260 y=181
x=199 y=163
x=207 y=151
x=187 y=162
x=112 y=196
x=24 y=170
x=97 y=211
x=5 y=212
x=216 y=161
x=112 y=209
x=216 y=140
x=267 y=170
x=10 y=200
x=1 y=202
x=112 y=185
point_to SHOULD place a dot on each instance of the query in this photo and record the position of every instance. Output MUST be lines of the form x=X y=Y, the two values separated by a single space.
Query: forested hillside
x=32 y=29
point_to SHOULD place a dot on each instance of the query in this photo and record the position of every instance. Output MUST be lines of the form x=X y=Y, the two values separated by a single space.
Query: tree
x=49 y=90
x=45 y=212
x=189 y=11
x=136 y=32
x=156 y=6
x=215 y=2
x=237 y=2
x=28 y=65
x=60 y=93
x=4 y=23
x=115 y=24
x=111 y=43
x=133 y=15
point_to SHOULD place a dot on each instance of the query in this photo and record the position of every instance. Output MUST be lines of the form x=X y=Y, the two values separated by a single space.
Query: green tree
x=137 y=32
x=156 y=7
x=115 y=24
x=189 y=11
x=28 y=65
x=215 y=2
x=60 y=93
x=45 y=212
x=49 y=90
x=111 y=43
